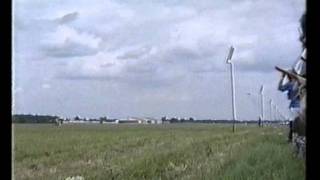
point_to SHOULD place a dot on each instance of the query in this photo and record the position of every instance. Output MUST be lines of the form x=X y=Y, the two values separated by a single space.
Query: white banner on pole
x=230 y=54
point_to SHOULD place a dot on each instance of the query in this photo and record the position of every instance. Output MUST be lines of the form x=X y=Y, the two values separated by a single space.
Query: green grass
x=171 y=151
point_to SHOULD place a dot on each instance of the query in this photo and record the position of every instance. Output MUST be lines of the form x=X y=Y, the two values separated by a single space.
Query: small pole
x=249 y=94
x=270 y=109
x=276 y=112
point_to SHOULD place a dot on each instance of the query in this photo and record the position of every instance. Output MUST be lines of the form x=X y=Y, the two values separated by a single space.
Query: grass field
x=168 y=151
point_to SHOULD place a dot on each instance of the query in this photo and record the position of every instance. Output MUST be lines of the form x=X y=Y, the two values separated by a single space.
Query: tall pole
x=262 y=103
x=234 y=111
x=232 y=87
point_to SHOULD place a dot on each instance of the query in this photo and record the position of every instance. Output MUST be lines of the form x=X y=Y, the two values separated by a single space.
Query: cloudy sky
x=122 y=58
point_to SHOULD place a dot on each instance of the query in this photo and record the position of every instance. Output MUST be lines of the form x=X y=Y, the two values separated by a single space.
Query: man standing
x=292 y=88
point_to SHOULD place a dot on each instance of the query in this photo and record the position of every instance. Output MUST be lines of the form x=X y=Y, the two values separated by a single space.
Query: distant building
x=137 y=120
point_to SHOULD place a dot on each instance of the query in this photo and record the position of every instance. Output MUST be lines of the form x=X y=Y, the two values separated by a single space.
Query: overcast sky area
x=151 y=58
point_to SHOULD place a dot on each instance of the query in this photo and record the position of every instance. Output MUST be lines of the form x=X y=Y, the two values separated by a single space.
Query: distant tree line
x=28 y=118
x=191 y=120
x=176 y=120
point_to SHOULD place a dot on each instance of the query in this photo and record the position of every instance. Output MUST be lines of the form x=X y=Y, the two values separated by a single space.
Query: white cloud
x=65 y=33
x=175 y=48
x=46 y=86
x=18 y=90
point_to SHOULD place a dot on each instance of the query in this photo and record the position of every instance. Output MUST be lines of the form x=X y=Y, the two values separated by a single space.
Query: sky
x=151 y=58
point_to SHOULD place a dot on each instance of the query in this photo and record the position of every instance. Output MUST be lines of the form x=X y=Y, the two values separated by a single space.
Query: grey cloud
x=67 y=18
x=106 y=65
x=204 y=58
x=142 y=74
x=142 y=68
x=182 y=53
x=266 y=56
x=206 y=69
x=142 y=79
x=68 y=49
x=87 y=77
x=76 y=74
x=157 y=67
x=135 y=54
x=264 y=66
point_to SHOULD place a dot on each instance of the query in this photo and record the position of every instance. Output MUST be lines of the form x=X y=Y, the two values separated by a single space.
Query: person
x=290 y=131
x=294 y=83
x=299 y=67
x=292 y=88
x=259 y=121
x=303 y=30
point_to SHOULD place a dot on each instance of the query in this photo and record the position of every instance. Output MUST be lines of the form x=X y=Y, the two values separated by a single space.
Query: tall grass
x=171 y=151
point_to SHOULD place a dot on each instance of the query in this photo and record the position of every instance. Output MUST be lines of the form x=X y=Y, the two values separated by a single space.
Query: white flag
x=261 y=90
x=230 y=54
